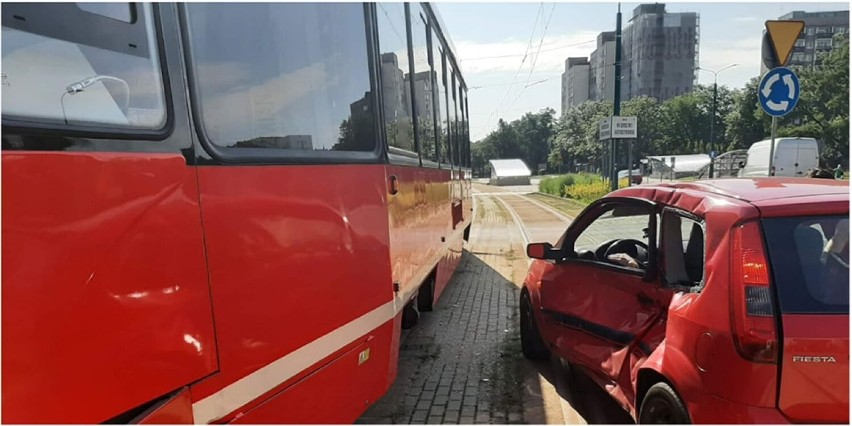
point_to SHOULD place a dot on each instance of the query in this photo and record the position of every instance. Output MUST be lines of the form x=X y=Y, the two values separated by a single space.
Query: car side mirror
x=542 y=251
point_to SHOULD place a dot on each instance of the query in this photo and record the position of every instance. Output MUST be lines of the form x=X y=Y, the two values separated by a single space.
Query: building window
x=822 y=30
x=810 y=31
x=823 y=43
x=809 y=45
x=800 y=42
x=798 y=57
x=289 y=76
x=808 y=57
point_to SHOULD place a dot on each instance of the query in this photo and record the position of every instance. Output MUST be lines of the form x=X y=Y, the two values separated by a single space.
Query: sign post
x=776 y=99
x=625 y=128
x=605 y=129
x=605 y=134
x=778 y=94
x=671 y=174
x=614 y=128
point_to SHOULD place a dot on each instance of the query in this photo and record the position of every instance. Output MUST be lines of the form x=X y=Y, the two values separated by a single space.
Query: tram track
x=535 y=222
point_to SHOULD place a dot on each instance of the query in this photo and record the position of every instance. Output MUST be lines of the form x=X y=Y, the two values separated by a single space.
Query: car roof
x=755 y=190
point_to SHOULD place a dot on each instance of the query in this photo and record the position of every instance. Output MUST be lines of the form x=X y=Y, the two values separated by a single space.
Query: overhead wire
x=535 y=59
x=508 y=83
x=523 y=60
x=551 y=49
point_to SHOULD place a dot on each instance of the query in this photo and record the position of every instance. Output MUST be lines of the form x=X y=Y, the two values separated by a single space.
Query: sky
x=491 y=39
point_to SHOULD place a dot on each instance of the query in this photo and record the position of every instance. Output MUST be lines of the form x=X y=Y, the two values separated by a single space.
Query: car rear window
x=809 y=257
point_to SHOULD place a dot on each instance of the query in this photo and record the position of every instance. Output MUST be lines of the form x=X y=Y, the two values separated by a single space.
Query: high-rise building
x=602 y=72
x=575 y=82
x=659 y=53
x=393 y=88
x=659 y=57
x=817 y=36
x=422 y=92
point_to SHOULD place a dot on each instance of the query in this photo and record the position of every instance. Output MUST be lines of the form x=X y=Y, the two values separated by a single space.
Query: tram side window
x=290 y=76
x=446 y=154
x=99 y=69
x=424 y=94
x=454 y=114
x=395 y=75
x=463 y=128
x=467 y=130
x=441 y=103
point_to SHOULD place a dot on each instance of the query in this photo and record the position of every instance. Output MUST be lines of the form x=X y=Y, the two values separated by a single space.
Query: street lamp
x=713 y=117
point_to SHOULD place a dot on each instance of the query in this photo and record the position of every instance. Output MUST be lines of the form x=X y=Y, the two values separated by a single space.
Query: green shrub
x=583 y=187
x=555 y=185
x=591 y=188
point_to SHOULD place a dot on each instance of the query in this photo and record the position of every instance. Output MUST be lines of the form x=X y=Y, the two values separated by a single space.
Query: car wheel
x=662 y=406
x=531 y=344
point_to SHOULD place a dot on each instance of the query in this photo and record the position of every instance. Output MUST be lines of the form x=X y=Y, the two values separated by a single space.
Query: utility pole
x=616 y=98
x=772 y=146
x=712 y=130
x=713 y=116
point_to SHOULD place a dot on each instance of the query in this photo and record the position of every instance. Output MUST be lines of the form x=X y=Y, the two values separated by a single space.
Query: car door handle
x=644 y=299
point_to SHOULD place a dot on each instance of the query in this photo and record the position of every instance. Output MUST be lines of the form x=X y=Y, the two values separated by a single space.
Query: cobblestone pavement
x=462 y=363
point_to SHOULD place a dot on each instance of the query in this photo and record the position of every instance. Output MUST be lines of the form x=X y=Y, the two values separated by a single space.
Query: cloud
x=225 y=113
x=740 y=19
x=506 y=55
x=720 y=54
x=218 y=76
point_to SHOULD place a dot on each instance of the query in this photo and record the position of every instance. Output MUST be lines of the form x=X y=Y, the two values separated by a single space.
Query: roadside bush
x=586 y=178
x=555 y=185
x=591 y=189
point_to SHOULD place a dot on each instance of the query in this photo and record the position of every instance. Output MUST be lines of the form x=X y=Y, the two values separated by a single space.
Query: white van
x=793 y=158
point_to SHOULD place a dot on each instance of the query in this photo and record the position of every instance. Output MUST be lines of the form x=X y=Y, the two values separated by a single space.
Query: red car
x=720 y=301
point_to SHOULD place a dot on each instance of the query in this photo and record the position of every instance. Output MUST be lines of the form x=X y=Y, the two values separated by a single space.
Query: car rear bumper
x=718 y=410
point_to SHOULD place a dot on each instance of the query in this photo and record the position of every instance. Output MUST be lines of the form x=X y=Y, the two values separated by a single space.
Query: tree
x=575 y=137
x=534 y=132
x=746 y=123
x=823 y=108
x=724 y=106
x=356 y=134
x=685 y=123
x=525 y=138
x=649 y=123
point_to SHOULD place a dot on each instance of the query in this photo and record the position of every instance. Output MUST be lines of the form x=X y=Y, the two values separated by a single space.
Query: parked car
x=793 y=157
x=636 y=175
x=723 y=301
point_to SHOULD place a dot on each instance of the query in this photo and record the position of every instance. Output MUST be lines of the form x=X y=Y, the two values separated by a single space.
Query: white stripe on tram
x=252 y=386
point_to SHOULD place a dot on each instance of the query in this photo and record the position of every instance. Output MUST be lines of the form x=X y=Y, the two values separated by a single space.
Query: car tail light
x=751 y=297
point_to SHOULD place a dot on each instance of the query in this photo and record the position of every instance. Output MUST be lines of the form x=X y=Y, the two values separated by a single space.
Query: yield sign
x=783 y=35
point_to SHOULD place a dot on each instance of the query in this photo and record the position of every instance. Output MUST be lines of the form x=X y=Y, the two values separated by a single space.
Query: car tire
x=662 y=405
x=531 y=343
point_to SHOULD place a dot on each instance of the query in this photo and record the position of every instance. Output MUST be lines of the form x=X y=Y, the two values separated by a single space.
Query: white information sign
x=605 y=129
x=624 y=127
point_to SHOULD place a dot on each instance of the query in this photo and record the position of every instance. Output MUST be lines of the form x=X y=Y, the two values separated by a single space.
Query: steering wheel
x=600 y=251
x=630 y=248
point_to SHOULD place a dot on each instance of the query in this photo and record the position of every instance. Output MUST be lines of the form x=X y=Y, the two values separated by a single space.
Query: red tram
x=220 y=213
